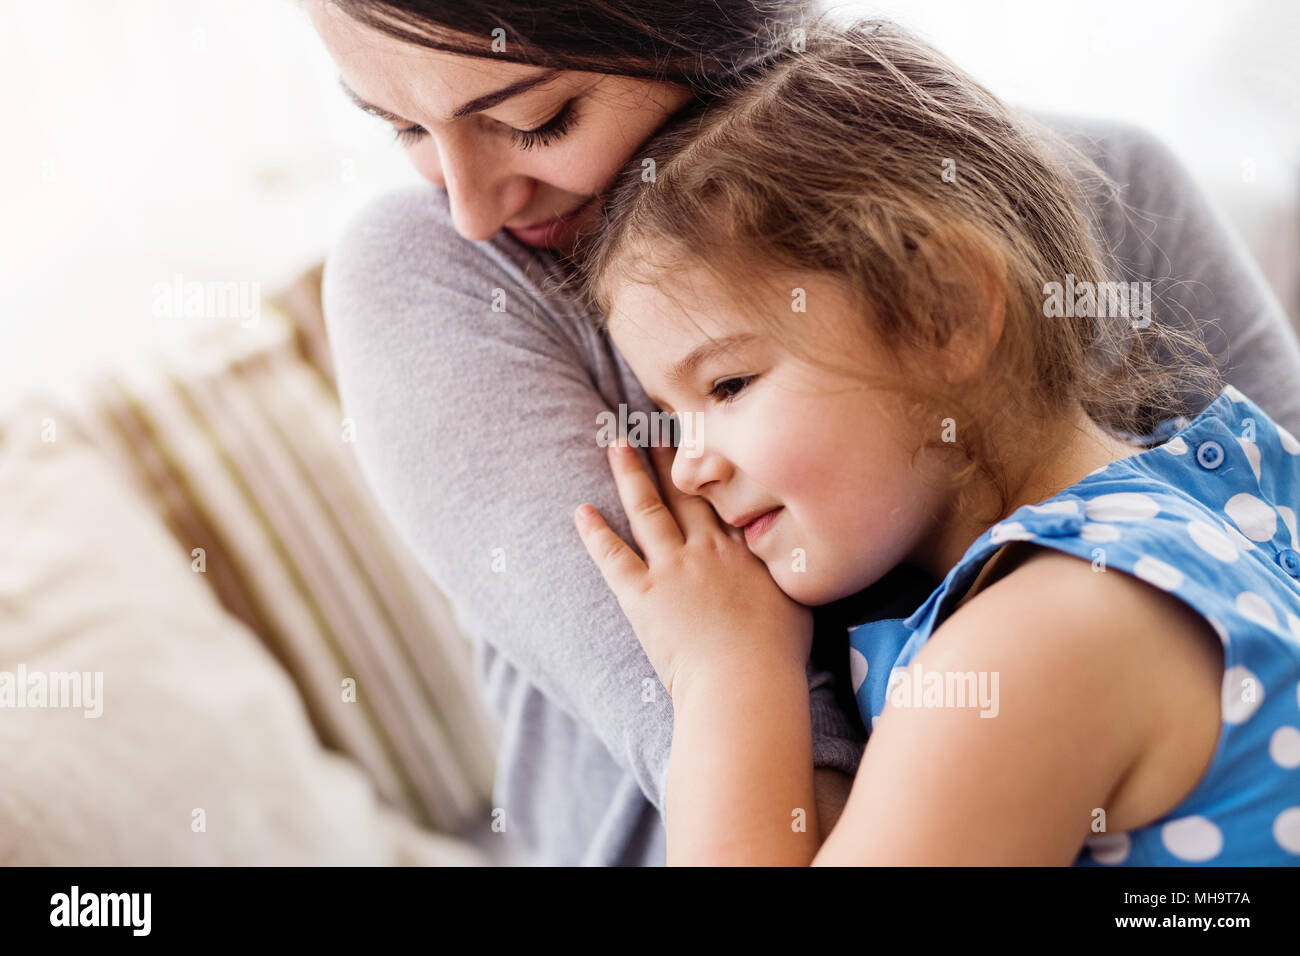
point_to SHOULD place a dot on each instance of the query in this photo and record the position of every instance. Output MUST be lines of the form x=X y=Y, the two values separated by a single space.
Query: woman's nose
x=482 y=196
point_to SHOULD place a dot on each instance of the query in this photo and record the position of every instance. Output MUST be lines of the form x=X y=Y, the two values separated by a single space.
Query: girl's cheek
x=798 y=462
x=774 y=461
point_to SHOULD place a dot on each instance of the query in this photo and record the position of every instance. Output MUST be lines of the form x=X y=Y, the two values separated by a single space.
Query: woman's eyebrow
x=371 y=108
x=489 y=100
x=476 y=105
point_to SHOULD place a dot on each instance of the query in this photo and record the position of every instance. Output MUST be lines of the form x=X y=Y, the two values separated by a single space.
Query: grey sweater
x=475 y=395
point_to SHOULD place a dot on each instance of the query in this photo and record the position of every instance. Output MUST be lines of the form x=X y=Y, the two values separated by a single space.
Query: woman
x=475 y=390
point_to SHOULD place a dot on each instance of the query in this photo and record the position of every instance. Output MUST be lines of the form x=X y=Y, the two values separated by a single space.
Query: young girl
x=873 y=288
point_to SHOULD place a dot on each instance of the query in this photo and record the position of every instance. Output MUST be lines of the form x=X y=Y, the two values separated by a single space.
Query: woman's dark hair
x=707 y=46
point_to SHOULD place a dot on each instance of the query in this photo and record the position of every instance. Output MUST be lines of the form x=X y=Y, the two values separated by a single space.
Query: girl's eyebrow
x=680 y=371
x=476 y=105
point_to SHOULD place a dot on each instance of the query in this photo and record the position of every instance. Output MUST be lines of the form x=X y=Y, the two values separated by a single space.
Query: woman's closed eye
x=727 y=390
x=409 y=135
x=546 y=134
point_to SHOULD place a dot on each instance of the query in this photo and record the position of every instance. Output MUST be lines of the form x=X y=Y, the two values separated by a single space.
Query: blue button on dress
x=1209 y=515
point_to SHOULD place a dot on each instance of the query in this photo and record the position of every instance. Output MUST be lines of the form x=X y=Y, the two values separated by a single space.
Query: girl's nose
x=695 y=469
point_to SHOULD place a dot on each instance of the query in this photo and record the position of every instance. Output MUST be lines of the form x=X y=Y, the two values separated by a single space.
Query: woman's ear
x=964 y=275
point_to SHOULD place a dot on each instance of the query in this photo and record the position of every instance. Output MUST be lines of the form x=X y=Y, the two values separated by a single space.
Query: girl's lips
x=552 y=232
x=755 y=528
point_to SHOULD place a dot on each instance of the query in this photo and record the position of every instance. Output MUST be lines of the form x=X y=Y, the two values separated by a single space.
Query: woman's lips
x=755 y=528
x=553 y=231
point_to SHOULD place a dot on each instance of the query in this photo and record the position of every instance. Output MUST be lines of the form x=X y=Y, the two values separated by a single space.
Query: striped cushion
x=239 y=444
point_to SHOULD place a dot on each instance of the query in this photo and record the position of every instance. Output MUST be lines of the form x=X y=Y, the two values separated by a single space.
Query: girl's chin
x=797 y=587
x=809 y=590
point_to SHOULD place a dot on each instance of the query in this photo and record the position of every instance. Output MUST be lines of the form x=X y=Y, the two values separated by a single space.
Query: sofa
x=188 y=548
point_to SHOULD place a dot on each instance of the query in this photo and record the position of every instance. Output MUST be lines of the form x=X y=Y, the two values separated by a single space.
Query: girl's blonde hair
x=863 y=155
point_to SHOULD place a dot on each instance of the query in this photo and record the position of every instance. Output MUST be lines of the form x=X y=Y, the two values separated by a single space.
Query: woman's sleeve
x=1202 y=275
x=474 y=396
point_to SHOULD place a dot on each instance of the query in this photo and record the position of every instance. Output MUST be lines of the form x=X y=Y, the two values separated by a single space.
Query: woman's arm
x=476 y=429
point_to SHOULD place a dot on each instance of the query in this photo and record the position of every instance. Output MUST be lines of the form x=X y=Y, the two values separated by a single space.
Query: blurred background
x=180 y=508
x=150 y=138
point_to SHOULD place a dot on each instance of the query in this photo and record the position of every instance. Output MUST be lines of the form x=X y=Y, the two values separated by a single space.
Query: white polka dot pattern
x=1121 y=506
x=858 y=667
x=1194 y=839
x=1286 y=830
x=1255 y=518
x=1212 y=541
x=1154 y=571
x=1212 y=530
x=1110 y=848
x=1284 y=747
x=1242 y=695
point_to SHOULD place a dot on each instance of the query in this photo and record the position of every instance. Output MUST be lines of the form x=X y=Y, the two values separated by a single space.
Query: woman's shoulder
x=401 y=248
x=403 y=290
x=409 y=221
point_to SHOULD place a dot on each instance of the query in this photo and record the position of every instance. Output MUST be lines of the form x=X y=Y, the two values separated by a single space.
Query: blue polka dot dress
x=1209 y=515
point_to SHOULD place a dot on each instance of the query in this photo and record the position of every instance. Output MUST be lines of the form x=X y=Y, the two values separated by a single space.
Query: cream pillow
x=201 y=752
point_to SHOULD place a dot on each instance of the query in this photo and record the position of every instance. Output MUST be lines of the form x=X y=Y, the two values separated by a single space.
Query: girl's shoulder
x=1207 y=516
x=1178 y=568
x=1148 y=618
x=1099 y=714
x=1137 y=671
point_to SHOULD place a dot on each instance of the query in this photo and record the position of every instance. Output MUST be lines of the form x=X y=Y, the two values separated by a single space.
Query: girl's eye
x=727 y=390
x=548 y=132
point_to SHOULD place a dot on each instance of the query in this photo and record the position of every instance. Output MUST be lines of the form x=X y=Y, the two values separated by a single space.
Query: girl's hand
x=700 y=598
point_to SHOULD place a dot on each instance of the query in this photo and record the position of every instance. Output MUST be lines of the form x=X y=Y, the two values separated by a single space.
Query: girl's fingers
x=653 y=525
x=618 y=563
x=688 y=509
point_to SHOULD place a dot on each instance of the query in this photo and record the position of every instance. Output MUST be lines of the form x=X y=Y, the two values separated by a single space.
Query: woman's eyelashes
x=548 y=132
x=728 y=389
x=409 y=135
x=544 y=135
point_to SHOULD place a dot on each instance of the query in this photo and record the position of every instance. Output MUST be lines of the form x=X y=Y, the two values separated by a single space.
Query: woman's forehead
x=404 y=78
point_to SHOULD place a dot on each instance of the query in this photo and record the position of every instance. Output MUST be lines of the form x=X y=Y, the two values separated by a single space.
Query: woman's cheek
x=582 y=165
